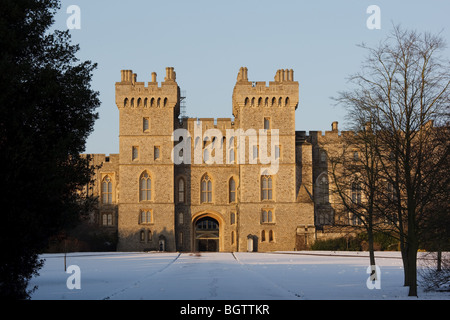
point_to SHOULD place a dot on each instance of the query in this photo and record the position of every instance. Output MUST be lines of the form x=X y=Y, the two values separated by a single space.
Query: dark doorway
x=207 y=245
x=207 y=235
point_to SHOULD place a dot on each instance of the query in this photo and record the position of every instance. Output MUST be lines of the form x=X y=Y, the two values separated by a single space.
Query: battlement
x=286 y=75
x=282 y=92
x=318 y=136
x=282 y=75
x=133 y=94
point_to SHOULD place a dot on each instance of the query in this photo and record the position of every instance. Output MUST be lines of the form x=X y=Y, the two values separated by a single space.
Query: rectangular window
x=157 y=152
x=135 y=153
x=266 y=188
x=107 y=219
x=266 y=123
x=255 y=152
x=277 y=152
x=181 y=191
x=232 y=190
x=233 y=218
x=146 y=217
x=145 y=124
x=107 y=190
x=267 y=216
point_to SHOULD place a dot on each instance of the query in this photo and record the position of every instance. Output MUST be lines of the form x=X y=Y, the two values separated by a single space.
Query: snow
x=224 y=276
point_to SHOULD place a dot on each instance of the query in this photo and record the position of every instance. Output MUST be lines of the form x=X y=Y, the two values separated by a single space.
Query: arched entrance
x=206 y=234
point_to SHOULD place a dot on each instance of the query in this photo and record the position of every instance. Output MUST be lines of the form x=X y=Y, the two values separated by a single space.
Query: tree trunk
x=439 y=260
x=404 y=251
x=412 y=270
x=371 y=247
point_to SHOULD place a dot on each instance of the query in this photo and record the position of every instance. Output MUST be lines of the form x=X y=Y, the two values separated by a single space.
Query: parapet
x=283 y=92
x=131 y=93
x=322 y=137
x=170 y=74
x=283 y=75
x=242 y=74
x=127 y=77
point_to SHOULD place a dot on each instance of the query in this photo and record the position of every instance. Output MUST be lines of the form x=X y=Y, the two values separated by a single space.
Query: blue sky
x=208 y=41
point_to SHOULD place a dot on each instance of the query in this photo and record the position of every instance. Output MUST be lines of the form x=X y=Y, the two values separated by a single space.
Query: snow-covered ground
x=223 y=276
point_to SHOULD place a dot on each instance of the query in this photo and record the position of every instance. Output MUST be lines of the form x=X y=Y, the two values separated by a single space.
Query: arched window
x=142 y=236
x=206 y=189
x=146 y=217
x=266 y=188
x=107 y=190
x=280 y=101
x=132 y=102
x=145 y=187
x=266 y=103
x=356 y=192
x=232 y=190
x=273 y=101
x=158 y=104
x=139 y=102
x=165 y=102
x=263 y=236
x=145 y=102
x=181 y=190
x=206 y=153
x=267 y=216
x=125 y=102
x=253 y=102
x=231 y=153
x=152 y=102
x=286 y=102
x=322 y=189
x=259 y=102
x=231 y=156
x=246 y=101
x=270 y=236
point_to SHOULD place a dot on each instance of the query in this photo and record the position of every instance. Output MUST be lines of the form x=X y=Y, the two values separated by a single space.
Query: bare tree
x=354 y=170
x=404 y=86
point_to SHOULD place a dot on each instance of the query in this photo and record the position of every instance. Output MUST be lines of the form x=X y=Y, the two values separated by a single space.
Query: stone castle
x=194 y=204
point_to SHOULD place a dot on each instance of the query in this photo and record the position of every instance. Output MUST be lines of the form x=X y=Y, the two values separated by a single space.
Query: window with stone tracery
x=206 y=189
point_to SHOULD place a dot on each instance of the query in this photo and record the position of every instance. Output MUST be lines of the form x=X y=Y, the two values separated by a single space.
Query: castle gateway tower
x=208 y=184
x=148 y=117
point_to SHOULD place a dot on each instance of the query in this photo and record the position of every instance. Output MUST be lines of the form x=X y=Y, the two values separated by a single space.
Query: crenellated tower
x=271 y=108
x=259 y=106
x=148 y=116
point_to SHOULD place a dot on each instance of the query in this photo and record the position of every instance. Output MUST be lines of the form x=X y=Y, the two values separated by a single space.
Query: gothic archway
x=207 y=232
x=207 y=235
